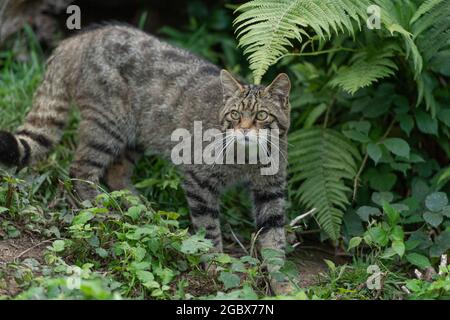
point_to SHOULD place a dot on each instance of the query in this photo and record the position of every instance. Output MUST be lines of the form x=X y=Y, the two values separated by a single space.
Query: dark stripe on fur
x=92 y=163
x=39 y=138
x=202 y=210
x=204 y=184
x=271 y=222
x=103 y=148
x=265 y=196
x=105 y=128
x=195 y=196
x=27 y=152
x=9 y=149
x=38 y=121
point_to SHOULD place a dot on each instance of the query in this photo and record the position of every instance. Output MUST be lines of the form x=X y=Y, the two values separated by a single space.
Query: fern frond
x=322 y=159
x=424 y=8
x=267 y=28
x=366 y=69
x=392 y=19
x=432 y=29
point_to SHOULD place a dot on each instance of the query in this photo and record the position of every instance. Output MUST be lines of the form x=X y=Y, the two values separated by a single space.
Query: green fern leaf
x=366 y=69
x=267 y=28
x=424 y=8
x=320 y=162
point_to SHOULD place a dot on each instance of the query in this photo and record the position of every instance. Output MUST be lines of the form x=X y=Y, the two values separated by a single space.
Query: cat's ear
x=281 y=86
x=229 y=84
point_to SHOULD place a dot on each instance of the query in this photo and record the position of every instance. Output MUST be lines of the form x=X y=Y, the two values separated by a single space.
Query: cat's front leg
x=203 y=200
x=269 y=207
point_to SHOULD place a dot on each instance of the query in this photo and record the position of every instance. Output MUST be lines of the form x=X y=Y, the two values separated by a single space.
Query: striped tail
x=43 y=126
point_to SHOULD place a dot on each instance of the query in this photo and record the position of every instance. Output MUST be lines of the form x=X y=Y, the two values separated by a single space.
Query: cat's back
x=130 y=53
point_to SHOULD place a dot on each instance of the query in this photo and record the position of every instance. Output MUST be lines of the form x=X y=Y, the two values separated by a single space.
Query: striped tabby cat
x=133 y=91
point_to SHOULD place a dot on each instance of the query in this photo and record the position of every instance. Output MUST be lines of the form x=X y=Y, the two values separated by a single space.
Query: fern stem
x=315 y=53
x=327 y=115
x=366 y=158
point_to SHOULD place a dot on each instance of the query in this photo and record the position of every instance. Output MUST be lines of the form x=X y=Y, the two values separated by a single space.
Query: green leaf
x=230 y=280
x=379 y=236
x=331 y=265
x=354 y=242
x=397 y=234
x=393 y=215
x=418 y=260
x=398 y=247
x=365 y=212
x=82 y=217
x=406 y=123
x=135 y=211
x=436 y=201
x=374 y=152
x=381 y=198
x=446 y=211
x=433 y=218
x=195 y=244
x=397 y=146
x=426 y=123
x=58 y=246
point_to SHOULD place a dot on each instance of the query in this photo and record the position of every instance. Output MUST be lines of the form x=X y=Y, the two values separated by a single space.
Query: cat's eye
x=235 y=115
x=262 y=115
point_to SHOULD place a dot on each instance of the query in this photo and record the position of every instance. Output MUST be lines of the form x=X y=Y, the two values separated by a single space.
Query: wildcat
x=133 y=91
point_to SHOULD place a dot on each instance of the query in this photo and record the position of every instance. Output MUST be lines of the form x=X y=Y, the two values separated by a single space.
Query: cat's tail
x=43 y=126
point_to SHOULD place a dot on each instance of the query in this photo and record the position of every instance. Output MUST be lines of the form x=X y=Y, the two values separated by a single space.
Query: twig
x=31 y=248
x=252 y=246
x=302 y=216
x=364 y=162
x=238 y=241
x=327 y=114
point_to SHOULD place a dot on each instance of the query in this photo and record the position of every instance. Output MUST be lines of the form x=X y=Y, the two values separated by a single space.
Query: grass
x=109 y=250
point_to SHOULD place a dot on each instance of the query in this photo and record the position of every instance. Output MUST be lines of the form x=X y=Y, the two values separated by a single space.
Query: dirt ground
x=13 y=251
x=310 y=262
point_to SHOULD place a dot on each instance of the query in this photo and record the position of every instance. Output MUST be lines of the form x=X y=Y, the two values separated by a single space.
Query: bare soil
x=13 y=251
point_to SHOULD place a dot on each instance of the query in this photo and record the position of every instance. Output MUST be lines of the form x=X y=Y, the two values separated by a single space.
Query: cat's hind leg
x=100 y=145
x=118 y=175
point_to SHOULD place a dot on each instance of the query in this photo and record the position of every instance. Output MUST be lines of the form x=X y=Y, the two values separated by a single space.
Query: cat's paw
x=209 y=268
x=282 y=288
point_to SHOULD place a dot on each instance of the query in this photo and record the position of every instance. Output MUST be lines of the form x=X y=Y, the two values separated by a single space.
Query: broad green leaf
x=381 y=198
x=418 y=260
x=397 y=146
x=354 y=242
x=392 y=215
x=230 y=280
x=398 y=247
x=82 y=217
x=426 y=123
x=374 y=152
x=433 y=218
x=365 y=212
x=58 y=246
x=379 y=236
x=397 y=233
x=436 y=201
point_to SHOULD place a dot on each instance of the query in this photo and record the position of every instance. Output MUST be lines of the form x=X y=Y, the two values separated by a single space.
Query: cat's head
x=250 y=108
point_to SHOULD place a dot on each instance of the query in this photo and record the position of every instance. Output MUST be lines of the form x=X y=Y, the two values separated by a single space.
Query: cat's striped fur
x=133 y=91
